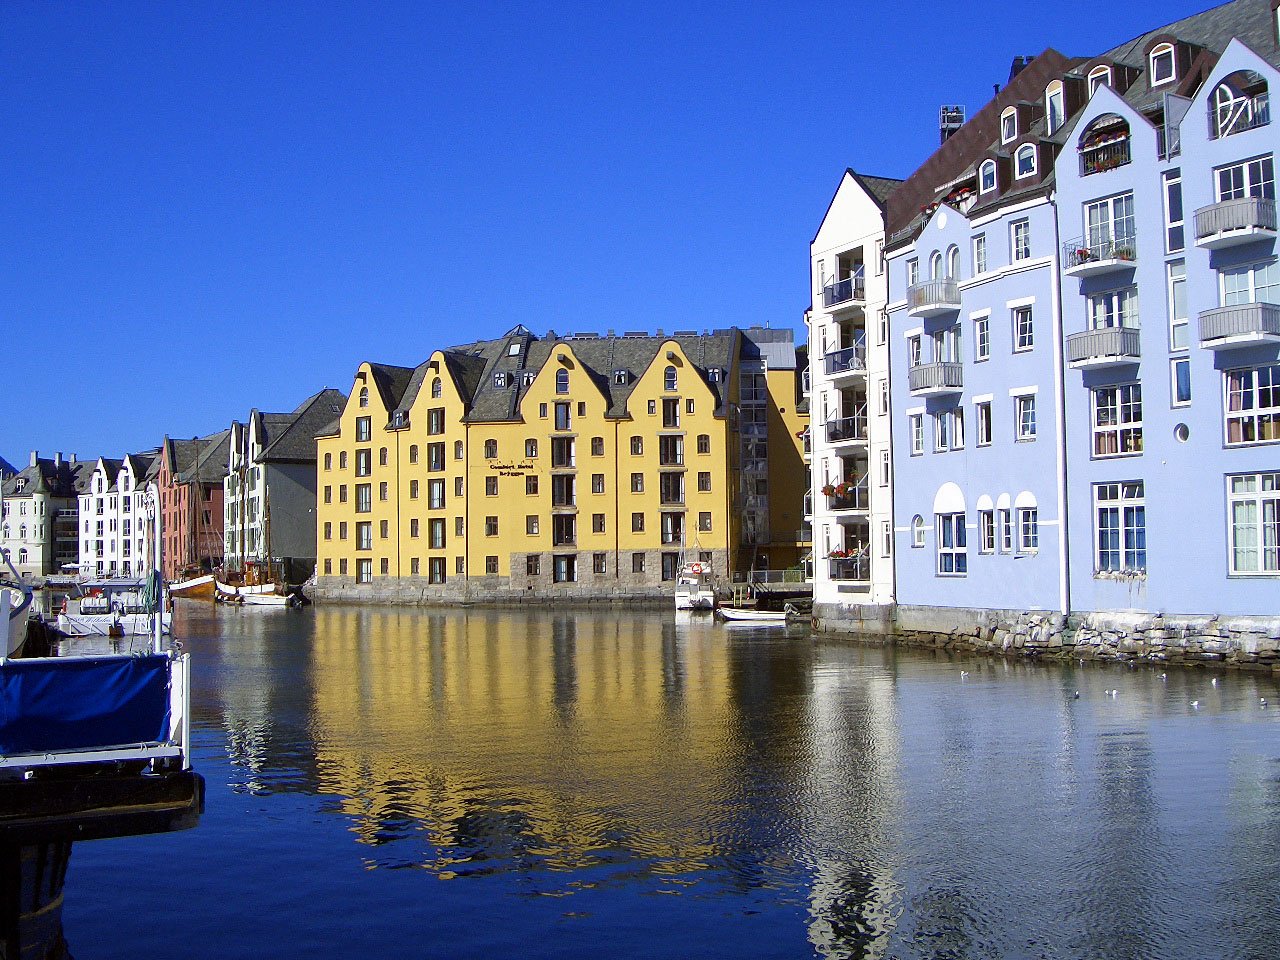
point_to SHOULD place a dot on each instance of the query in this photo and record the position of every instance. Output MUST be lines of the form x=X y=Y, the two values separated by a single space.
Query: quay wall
x=1241 y=642
x=493 y=591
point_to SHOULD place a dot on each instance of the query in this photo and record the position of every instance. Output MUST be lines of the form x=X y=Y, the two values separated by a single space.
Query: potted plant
x=828 y=490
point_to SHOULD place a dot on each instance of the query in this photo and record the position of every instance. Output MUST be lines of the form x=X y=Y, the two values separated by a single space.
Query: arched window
x=22 y=532
x=457 y=449
x=562 y=381
x=669 y=378
x=935 y=266
x=1240 y=102
x=987 y=176
x=953 y=262
x=1161 y=64
x=22 y=555
x=1025 y=161
x=364 y=397
x=1054 y=106
x=1098 y=77
x=917 y=531
x=328 y=461
x=1009 y=125
x=1104 y=144
x=436 y=389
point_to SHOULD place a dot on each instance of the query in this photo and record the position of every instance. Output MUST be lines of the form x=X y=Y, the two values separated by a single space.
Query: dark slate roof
x=391 y=382
x=6 y=467
x=878 y=187
x=293 y=438
x=209 y=462
x=48 y=477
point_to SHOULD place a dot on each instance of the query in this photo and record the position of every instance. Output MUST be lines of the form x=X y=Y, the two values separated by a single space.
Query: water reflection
x=873 y=803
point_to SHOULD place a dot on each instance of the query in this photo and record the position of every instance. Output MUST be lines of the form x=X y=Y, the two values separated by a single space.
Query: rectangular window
x=637 y=523
x=1117 y=420
x=531 y=485
x=637 y=446
x=671 y=414
x=413 y=528
x=328 y=496
x=364 y=535
x=382 y=528
x=383 y=491
x=532 y=564
x=598 y=562
x=1114 y=308
x=563 y=418
x=435 y=569
x=363 y=431
x=597 y=523
x=1110 y=230
x=917 y=434
x=490 y=486
x=531 y=525
x=490 y=526
x=564 y=530
x=564 y=490
x=913 y=351
x=1006 y=531
x=980 y=254
x=597 y=446
x=883 y=392
x=364 y=571
x=435 y=457
x=953 y=558
x=457 y=486
x=530 y=449
x=1252 y=178
x=364 y=463
x=597 y=483
x=1024 y=409
x=637 y=563
x=1020 y=240
x=435 y=421
x=941 y=431
x=1174 y=233
x=986 y=531
x=414 y=568
x=981 y=338
x=1028 y=529
x=342 y=530
x=884 y=468
x=1253 y=405
x=413 y=453
x=637 y=483
x=328 y=567
x=563 y=454
x=913 y=272
x=1251 y=283
x=671 y=451
x=458 y=525
x=1253 y=508
x=1120 y=529
x=460 y=565
x=435 y=533
x=491 y=565
x=364 y=498
x=982 y=411
x=704 y=443
x=1180 y=381
x=435 y=494
x=328 y=530
x=704 y=521
x=671 y=487
x=1024 y=334
x=1178 y=305
x=704 y=482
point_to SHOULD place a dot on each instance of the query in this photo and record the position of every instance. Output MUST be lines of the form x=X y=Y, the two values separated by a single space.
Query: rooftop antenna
x=950 y=120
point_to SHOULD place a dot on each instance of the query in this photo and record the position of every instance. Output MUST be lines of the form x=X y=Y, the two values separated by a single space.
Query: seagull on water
x=1076 y=696
x=1214 y=681
x=1196 y=704
x=1263 y=701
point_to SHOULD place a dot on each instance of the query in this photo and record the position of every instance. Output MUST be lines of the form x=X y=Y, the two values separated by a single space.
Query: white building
x=38 y=514
x=852 y=506
x=113 y=517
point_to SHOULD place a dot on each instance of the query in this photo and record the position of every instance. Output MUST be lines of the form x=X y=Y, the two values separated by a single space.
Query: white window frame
x=1113 y=308
x=987 y=531
x=1261 y=491
x=1006 y=530
x=1028 y=530
x=1254 y=177
x=1024 y=151
x=979 y=247
x=1159 y=53
x=1123 y=503
x=1175 y=235
x=982 y=415
x=916 y=427
x=1024 y=418
x=982 y=338
x=952 y=545
x=987 y=176
x=917 y=531
x=1243 y=407
x=1179 y=321
x=1053 y=93
x=1020 y=240
x=1024 y=334
x=1009 y=125
x=1098 y=76
x=1117 y=421
x=1248 y=292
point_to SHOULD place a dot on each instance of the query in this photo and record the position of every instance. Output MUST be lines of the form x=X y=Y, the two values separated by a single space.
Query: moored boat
x=195 y=588
x=118 y=607
x=693 y=587
x=744 y=615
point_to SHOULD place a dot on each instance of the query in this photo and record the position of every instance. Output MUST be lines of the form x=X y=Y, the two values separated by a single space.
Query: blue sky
x=299 y=187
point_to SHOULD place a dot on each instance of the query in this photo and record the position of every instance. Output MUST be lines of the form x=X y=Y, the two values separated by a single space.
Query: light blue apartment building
x=1085 y=335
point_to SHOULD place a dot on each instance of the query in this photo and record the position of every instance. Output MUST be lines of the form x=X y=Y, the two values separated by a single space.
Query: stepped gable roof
x=180 y=455
x=142 y=464
x=111 y=467
x=209 y=465
x=295 y=439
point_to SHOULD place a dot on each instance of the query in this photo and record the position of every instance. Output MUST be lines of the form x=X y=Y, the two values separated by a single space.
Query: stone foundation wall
x=1244 y=642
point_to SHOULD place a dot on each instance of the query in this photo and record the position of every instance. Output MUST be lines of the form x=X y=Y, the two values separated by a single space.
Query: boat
x=693 y=587
x=195 y=588
x=116 y=607
x=745 y=615
x=15 y=604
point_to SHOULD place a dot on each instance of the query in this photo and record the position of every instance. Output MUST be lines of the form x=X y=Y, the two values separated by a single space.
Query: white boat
x=14 y=604
x=264 y=600
x=245 y=590
x=693 y=587
x=110 y=608
x=739 y=615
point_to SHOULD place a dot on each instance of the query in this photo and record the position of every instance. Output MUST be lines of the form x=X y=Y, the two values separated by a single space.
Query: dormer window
x=715 y=374
x=1009 y=125
x=514 y=350
x=987 y=176
x=500 y=379
x=1054 y=107
x=436 y=388
x=1099 y=76
x=527 y=378
x=20 y=485
x=1161 y=62
x=1025 y=161
x=620 y=377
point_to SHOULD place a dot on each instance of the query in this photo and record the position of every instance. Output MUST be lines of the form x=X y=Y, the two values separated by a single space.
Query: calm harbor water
x=403 y=783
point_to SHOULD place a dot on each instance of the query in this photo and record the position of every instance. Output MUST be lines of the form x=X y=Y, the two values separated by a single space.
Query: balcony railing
x=1244 y=113
x=847 y=360
x=804 y=535
x=1239 y=325
x=1103 y=346
x=930 y=297
x=854 y=497
x=1230 y=222
x=857 y=568
x=930 y=378
x=1081 y=258
x=1104 y=156
x=851 y=288
x=846 y=429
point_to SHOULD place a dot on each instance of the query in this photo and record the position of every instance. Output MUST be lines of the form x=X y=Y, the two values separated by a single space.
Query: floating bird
x=1164 y=676
x=964 y=673
x=1214 y=681
x=1196 y=704
x=1114 y=694
x=1076 y=695
x=1263 y=701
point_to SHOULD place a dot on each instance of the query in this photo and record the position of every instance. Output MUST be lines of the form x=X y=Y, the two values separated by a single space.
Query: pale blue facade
x=1149 y=278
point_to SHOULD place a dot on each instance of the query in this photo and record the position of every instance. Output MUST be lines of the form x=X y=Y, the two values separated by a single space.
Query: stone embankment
x=1241 y=642
x=423 y=595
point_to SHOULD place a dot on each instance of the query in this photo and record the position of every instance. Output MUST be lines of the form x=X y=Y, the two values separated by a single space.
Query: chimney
x=35 y=457
x=73 y=459
x=1019 y=64
x=57 y=459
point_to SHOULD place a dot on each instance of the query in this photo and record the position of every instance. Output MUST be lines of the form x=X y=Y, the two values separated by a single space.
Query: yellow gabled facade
x=521 y=467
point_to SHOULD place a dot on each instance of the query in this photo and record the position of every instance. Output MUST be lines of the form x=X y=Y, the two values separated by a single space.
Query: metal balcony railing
x=857 y=568
x=855 y=498
x=940 y=294
x=849 y=359
x=848 y=428
x=1077 y=252
x=1250 y=321
x=1104 y=156
x=940 y=376
x=1242 y=213
x=1117 y=342
x=852 y=287
x=1239 y=115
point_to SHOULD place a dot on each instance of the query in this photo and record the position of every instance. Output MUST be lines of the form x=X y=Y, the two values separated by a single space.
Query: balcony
x=1243 y=325
x=1233 y=222
x=849 y=360
x=856 y=569
x=850 y=291
x=848 y=429
x=932 y=298
x=1106 y=152
x=1080 y=259
x=1103 y=347
x=804 y=536
x=848 y=496
x=935 y=379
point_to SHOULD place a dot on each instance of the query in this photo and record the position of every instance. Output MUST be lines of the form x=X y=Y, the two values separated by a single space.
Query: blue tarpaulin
x=83 y=703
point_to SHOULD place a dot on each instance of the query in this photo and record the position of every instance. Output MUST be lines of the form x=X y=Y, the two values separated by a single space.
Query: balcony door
x=1109 y=223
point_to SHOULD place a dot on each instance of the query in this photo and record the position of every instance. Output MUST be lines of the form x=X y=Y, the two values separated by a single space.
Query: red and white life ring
x=695 y=568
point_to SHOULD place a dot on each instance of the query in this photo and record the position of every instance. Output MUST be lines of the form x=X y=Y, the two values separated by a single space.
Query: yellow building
x=586 y=465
